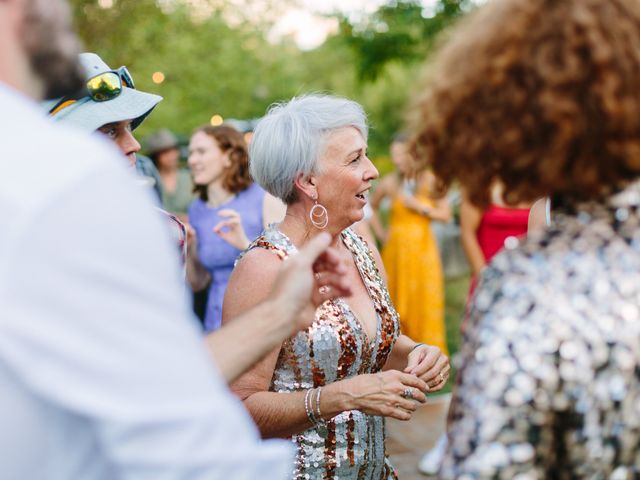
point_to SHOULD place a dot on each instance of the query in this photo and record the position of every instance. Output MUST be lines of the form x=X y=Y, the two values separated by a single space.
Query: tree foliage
x=399 y=31
x=221 y=62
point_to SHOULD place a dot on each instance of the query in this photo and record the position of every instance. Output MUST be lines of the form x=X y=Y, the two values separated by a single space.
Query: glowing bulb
x=157 y=77
x=216 y=120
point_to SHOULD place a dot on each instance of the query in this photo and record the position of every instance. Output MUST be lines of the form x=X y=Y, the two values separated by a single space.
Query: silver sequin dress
x=336 y=347
x=549 y=385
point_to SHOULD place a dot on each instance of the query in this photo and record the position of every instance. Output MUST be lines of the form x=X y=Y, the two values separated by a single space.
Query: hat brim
x=90 y=115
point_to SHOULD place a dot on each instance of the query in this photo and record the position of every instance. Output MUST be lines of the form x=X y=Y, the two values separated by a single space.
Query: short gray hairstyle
x=290 y=139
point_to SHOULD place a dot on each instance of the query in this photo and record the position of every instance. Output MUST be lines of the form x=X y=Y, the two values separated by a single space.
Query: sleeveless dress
x=336 y=347
x=497 y=225
x=215 y=254
x=414 y=274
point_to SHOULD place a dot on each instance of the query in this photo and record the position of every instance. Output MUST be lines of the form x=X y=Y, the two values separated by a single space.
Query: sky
x=310 y=29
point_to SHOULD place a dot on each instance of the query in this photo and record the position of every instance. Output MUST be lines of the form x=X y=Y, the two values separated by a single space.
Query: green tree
x=221 y=63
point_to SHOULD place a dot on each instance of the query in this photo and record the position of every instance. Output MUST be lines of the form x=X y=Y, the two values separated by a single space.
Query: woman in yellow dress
x=410 y=253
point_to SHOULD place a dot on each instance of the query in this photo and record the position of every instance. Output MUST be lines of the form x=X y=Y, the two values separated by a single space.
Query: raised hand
x=309 y=278
x=230 y=229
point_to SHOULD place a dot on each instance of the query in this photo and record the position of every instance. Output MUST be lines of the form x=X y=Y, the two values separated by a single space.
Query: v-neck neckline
x=370 y=339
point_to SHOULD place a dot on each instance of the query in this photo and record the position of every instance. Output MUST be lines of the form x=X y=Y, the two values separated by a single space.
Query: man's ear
x=306 y=185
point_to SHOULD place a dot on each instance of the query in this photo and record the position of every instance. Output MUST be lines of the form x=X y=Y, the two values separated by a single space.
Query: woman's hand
x=231 y=230
x=429 y=364
x=308 y=279
x=389 y=394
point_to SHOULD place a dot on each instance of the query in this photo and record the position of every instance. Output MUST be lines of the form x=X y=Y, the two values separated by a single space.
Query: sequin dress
x=334 y=348
x=549 y=382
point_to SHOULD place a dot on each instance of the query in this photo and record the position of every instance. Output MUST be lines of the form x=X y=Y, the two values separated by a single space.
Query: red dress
x=496 y=225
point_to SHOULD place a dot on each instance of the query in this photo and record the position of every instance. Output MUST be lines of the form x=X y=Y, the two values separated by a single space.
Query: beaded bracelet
x=307 y=406
x=320 y=424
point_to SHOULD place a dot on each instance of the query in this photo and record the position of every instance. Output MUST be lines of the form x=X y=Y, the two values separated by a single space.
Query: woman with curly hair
x=542 y=96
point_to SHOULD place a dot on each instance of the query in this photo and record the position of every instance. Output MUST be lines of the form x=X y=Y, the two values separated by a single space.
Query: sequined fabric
x=336 y=347
x=549 y=381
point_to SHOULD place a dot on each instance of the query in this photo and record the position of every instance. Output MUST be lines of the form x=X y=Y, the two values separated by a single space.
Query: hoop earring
x=319 y=216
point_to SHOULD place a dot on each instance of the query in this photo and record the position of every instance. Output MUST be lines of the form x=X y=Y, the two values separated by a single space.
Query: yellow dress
x=413 y=266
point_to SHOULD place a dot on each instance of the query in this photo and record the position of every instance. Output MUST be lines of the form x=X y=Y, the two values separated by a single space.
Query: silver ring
x=442 y=380
x=408 y=393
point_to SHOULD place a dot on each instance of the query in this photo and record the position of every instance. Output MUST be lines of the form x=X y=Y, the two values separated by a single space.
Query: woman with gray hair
x=329 y=387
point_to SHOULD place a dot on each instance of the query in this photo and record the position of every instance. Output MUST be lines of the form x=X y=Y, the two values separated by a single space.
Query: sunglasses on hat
x=101 y=88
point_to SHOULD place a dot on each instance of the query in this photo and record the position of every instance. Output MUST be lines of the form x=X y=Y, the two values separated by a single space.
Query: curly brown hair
x=542 y=95
x=236 y=177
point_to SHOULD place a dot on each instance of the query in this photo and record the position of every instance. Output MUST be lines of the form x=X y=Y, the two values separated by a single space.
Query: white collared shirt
x=103 y=374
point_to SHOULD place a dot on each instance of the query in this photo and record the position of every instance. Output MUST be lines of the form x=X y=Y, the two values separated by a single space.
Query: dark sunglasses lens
x=105 y=86
x=126 y=77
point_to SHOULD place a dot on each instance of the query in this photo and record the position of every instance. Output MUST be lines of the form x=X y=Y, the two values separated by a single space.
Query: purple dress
x=216 y=255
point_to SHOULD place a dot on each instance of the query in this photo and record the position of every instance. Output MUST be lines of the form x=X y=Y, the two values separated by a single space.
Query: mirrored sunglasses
x=101 y=88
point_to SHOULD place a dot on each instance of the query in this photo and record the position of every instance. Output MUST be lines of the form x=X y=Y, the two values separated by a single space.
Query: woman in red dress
x=485 y=232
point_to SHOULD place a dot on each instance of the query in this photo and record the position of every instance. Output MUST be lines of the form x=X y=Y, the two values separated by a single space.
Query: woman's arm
x=440 y=211
x=381 y=192
x=197 y=276
x=283 y=414
x=538 y=216
x=470 y=217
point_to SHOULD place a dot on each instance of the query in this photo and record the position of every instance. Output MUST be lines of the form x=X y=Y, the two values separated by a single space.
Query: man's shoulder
x=42 y=158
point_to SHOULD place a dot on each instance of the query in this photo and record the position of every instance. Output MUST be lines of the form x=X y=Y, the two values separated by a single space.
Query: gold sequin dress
x=336 y=347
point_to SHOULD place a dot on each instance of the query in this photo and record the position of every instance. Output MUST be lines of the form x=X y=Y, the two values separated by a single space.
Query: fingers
x=313 y=249
x=409 y=380
x=330 y=286
x=441 y=366
x=397 y=412
x=218 y=227
x=423 y=359
x=404 y=407
x=228 y=213
x=414 y=361
x=328 y=260
x=440 y=379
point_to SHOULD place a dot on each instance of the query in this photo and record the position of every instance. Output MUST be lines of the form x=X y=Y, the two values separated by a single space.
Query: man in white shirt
x=102 y=376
